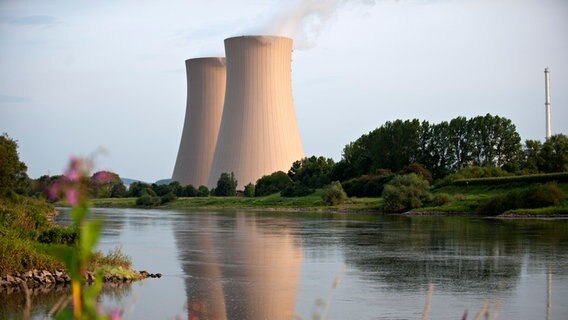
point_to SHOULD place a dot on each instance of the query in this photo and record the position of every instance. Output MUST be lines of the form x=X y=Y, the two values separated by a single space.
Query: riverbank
x=447 y=201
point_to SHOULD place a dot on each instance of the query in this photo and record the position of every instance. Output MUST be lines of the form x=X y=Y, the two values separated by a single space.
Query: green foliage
x=147 y=200
x=441 y=199
x=534 y=178
x=405 y=192
x=202 y=191
x=106 y=184
x=161 y=189
x=554 y=154
x=313 y=172
x=226 y=185
x=19 y=255
x=442 y=148
x=13 y=174
x=540 y=196
x=333 y=194
x=168 y=197
x=249 y=190
x=59 y=235
x=473 y=172
x=419 y=170
x=135 y=189
x=271 y=184
x=296 y=189
x=368 y=185
x=189 y=191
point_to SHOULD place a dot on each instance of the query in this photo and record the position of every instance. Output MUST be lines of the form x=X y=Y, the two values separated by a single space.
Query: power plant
x=206 y=79
x=258 y=132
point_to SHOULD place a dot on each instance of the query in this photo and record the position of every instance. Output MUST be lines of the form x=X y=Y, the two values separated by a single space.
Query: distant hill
x=163 y=181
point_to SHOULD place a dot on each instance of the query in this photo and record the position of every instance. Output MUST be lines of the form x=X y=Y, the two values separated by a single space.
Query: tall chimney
x=259 y=134
x=547 y=103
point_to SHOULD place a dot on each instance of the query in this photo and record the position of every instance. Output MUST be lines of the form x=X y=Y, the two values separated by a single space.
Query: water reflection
x=239 y=267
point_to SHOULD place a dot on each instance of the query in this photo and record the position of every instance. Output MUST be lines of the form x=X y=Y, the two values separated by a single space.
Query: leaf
x=69 y=256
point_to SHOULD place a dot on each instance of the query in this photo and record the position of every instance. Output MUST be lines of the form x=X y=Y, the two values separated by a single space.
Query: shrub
x=189 y=191
x=334 y=194
x=273 y=183
x=59 y=235
x=420 y=170
x=405 y=192
x=441 y=199
x=545 y=195
x=168 y=197
x=249 y=190
x=296 y=190
x=367 y=185
x=147 y=200
x=202 y=191
x=473 y=172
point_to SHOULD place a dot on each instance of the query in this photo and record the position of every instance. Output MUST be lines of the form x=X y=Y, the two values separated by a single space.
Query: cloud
x=34 y=20
x=12 y=99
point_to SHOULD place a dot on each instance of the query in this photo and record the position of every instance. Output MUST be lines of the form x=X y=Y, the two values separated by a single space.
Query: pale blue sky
x=75 y=76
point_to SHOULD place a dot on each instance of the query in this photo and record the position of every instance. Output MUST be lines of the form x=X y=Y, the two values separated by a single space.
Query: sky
x=107 y=78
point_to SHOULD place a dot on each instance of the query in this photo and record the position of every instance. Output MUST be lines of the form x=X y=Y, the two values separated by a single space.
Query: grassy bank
x=27 y=237
x=452 y=199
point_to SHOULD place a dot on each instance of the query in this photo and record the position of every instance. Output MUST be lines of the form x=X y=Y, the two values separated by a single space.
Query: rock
x=144 y=274
x=28 y=274
x=158 y=275
x=10 y=279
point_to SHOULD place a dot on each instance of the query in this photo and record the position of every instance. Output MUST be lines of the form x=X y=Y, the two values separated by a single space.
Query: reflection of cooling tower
x=205 y=92
x=258 y=134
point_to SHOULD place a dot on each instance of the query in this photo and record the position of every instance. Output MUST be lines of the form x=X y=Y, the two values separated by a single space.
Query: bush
x=533 y=178
x=147 y=200
x=168 y=197
x=189 y=191
x=367 y=185
x=202 y=191
x=59 y=235
x=334 y=194
x=473 y=172
x=296 y=190
x=545 y=195
x=441 y=199
x=249 y=190
x=420 y=170
x=273 y=183
x=405 y=192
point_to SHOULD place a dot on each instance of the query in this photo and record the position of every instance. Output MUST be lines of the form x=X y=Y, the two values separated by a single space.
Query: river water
x=254 y=265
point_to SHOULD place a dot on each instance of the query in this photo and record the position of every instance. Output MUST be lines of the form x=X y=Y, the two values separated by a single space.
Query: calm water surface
x=250 y=265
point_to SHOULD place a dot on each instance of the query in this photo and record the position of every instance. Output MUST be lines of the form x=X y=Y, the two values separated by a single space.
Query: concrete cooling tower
x=206 y=79
x=259 y=134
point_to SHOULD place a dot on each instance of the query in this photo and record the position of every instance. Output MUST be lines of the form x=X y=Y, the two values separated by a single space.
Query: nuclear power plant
x=206 y=79
x=258 y=132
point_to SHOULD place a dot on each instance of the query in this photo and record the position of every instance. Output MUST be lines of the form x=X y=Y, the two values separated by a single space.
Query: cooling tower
x=205 y=93
x=259 y=134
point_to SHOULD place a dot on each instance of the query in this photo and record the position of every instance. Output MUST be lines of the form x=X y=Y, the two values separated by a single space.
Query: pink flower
x=53 y=191
x=71 y=196
x=103 y=177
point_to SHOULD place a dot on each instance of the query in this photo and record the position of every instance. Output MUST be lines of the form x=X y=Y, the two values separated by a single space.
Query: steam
x=306 y=19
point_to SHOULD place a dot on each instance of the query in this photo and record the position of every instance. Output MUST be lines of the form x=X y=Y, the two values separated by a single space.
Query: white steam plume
x=305 y=20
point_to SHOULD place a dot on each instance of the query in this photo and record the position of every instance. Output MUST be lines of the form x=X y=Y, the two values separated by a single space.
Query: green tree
x=249 y=190
x=189 y=191
x=272 y=183
x=312 y=172
x=135 y=189
x=13 y=174
x=531 y=160
x=202 y=191
x=554 y=154
x=405 y=192
x=106 y=184
x=226 y=185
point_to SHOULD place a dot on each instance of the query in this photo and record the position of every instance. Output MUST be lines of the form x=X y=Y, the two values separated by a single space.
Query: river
x=255 y=265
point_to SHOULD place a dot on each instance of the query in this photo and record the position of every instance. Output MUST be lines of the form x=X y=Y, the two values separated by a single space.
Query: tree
x=249 y=190
x=272 y=183
x=226 y=185
x=136 y=188
x=202 y=191
x=13 y=174
x=312 y=172
x=531 y=160
x=554 y=154
x=106 y=184
x=189 y=191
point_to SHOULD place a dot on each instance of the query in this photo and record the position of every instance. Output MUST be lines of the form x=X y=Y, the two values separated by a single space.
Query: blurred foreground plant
x=73 y=187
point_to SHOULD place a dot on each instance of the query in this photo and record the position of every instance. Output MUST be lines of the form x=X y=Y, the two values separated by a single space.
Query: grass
x=273 y=201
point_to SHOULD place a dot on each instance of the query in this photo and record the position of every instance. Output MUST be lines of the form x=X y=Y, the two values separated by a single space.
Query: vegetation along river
x=253 y=265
